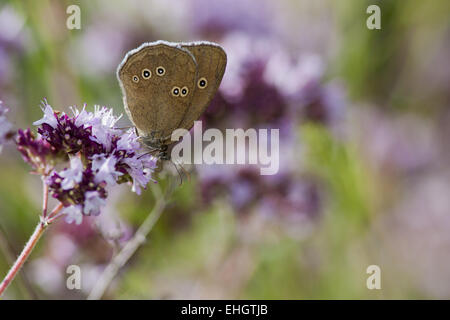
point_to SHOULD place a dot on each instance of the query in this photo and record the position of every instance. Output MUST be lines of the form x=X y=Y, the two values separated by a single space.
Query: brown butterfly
x=167 y=86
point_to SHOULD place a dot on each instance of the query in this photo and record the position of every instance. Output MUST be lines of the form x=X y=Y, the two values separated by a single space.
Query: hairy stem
x=23 y=256
x=23 y=282
x=40 y=228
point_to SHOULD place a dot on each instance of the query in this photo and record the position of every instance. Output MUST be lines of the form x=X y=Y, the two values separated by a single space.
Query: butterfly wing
x=153 y=79
x=211 y=62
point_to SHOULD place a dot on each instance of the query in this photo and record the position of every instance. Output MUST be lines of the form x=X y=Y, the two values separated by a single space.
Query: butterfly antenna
x=179 y=173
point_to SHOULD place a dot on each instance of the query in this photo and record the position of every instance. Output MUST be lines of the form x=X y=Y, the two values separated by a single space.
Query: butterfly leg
x=124 y=128
x=188 y=175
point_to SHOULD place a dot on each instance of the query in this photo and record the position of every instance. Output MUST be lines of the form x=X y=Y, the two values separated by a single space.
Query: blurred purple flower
x=11 y=24
x=94 y=201
x=12 y=40
x=215 y=18
x=324 y=104
x=100 y=48
x=6 y=128
x=287 y=195
x=74 y=214
x=266 y=86
x=398 y=145
x=5 y=65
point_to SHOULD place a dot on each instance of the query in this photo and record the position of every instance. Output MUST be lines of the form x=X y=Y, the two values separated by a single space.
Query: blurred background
x=364 y=124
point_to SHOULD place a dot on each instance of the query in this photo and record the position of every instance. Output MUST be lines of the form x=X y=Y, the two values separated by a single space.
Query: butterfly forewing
x=158 y=81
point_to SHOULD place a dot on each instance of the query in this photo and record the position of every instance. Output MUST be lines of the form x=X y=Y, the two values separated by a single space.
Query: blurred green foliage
x=376 y=63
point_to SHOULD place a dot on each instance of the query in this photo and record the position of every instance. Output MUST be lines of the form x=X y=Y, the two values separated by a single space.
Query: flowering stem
x=22 y=281
x=44 y=197
x=54 y=214
x=23 y=256
x=40 y=228
x=130 y=247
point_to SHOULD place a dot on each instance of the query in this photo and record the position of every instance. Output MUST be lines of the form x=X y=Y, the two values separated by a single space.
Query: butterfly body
x=167 y=86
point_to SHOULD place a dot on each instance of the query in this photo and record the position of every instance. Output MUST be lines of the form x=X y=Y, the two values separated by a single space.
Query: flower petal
x=49 y=116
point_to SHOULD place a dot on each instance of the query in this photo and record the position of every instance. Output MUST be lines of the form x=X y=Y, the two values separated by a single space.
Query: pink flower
x=105 y=169
x=73 y=175
x=73 y=214
x=49 y=117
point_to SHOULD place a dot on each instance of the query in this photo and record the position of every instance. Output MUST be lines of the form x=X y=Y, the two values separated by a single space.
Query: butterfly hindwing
x=211 y=62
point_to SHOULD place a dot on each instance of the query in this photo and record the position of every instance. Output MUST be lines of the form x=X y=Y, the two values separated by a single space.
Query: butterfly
x=167 y=86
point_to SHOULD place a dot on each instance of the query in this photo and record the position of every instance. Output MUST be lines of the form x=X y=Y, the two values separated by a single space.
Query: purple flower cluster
x=100 y=155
